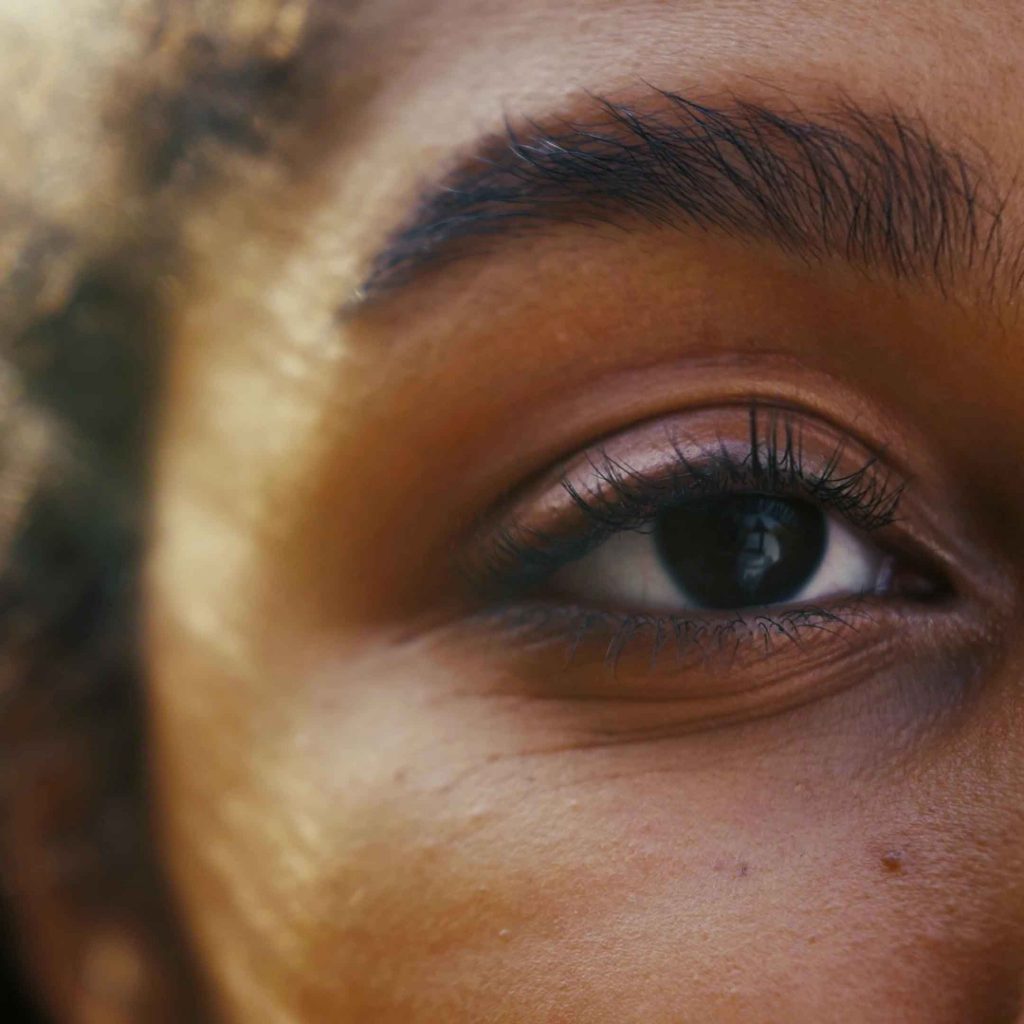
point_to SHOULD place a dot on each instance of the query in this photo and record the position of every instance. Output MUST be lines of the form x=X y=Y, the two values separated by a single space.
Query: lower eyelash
x=713 y=640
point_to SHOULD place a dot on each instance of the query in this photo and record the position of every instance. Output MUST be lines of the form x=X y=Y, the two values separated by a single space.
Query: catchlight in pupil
x=741 y=550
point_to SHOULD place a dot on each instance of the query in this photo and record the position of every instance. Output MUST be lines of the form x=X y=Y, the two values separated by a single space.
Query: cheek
x=405 y=841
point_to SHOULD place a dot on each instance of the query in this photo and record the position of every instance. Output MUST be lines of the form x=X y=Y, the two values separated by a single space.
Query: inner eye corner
x=927 y=584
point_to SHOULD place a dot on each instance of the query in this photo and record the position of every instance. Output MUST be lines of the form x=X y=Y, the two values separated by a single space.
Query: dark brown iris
x=741 y=550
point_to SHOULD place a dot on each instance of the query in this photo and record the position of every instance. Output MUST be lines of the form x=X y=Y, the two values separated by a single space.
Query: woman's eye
x=727 y=552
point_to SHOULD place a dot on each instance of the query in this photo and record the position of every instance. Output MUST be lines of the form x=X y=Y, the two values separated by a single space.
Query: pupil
x=740 y=550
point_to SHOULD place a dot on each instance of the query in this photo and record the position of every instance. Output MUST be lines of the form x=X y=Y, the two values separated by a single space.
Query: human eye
x=760 y=535
x=733 y=527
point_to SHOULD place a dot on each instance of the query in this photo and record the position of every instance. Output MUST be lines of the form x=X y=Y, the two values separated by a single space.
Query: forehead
x=462 y=54
x=551 y=42
x=436 y=77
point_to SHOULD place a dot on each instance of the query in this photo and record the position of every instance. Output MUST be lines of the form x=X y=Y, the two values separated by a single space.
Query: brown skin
x=376 y=806
x=372 y=811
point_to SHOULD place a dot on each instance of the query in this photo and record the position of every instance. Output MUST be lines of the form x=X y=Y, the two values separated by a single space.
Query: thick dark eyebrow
x=874 y=189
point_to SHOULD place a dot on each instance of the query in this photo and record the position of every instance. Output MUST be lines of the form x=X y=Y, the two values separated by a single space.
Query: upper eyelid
x=867 y=495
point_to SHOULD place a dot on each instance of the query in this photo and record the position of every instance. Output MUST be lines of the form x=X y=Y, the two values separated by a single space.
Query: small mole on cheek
x=737 y=869
x=892 y=861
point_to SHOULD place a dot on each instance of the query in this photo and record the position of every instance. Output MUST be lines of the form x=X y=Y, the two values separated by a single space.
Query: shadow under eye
x=702 y=670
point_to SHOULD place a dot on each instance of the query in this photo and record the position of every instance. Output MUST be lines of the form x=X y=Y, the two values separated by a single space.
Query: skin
x=375 y=805
x=369 y=814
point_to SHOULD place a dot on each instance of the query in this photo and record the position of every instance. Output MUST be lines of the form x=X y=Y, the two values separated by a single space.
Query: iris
x=741 y=550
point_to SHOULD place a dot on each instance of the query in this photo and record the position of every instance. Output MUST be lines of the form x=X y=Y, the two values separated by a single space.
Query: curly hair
x=87 y=324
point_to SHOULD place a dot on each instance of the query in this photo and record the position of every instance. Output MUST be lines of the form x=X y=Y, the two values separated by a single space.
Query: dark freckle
x=743 y=869
x=892 y=861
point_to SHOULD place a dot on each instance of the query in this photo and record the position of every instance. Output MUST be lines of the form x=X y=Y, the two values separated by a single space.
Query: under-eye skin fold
x=711 y=530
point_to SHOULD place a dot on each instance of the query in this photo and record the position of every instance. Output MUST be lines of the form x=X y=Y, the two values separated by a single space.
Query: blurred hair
x=78 y=383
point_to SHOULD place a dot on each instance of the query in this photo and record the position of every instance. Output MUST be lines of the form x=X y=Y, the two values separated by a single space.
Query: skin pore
x=394 y=783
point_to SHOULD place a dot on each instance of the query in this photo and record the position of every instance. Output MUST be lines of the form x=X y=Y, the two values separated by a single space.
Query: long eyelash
x=774 y=463
x=623 y=498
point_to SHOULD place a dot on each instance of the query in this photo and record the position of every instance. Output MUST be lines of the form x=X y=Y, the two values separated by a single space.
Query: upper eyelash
x=625 y=499
x=774 y=463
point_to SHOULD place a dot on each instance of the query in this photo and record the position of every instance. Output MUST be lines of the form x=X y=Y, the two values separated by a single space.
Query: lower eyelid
x=716 y=668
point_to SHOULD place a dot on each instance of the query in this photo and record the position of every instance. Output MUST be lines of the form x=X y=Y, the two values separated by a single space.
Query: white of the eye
x=626 y=572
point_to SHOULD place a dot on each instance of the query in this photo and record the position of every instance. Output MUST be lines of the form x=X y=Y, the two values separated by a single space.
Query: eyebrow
x=874 y=189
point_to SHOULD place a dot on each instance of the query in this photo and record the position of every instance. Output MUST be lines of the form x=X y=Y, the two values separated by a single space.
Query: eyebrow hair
x=876 y=190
